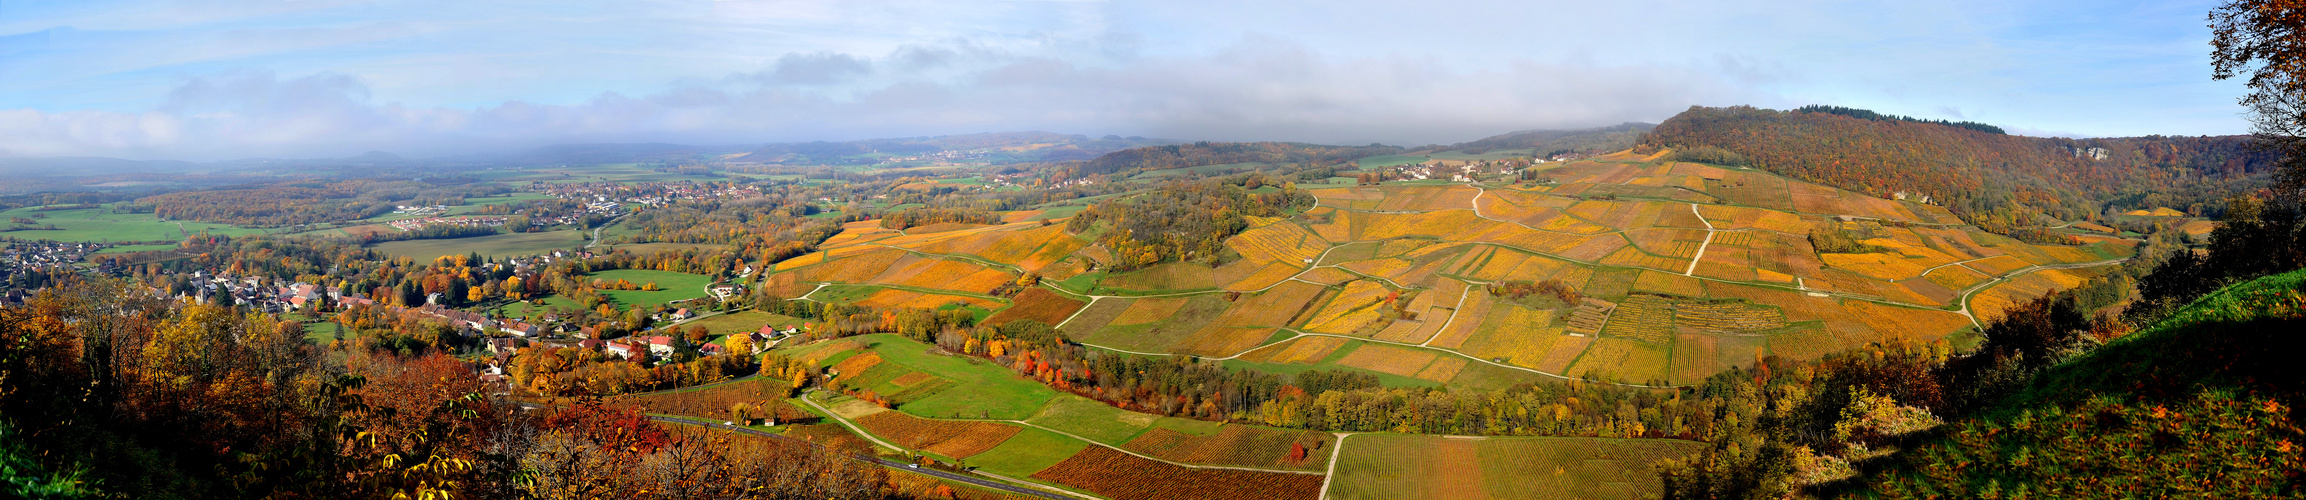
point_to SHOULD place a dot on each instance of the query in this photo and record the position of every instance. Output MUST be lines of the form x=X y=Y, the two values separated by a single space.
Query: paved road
x=892 y=464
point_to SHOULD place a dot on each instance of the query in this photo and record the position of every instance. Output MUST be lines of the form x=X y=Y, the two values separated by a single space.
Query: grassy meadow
x=101 y=225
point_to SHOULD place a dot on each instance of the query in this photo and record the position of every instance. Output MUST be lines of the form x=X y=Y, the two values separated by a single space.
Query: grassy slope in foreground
x=2206 y=401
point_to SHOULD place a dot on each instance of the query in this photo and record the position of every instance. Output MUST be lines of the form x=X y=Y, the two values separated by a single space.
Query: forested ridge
x=1997 y=181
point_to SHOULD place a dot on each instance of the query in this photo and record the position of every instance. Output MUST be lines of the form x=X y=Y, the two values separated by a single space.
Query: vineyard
x=1115 y=474
x=1411 y=269
x=1238 y=445
x=943 y=437
x=1648 y=318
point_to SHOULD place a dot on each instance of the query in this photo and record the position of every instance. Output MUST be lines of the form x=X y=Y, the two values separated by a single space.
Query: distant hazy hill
x=1548 y=142
x=1221 y=153
x=1993 y=179
x=614 y=153
x=1007 y=147
x=79 y=166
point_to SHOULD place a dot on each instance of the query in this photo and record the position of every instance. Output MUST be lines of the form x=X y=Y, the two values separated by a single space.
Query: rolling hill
x=1999 y=181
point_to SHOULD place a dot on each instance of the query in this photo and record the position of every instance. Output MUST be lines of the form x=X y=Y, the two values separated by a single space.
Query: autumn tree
x=2266 y=39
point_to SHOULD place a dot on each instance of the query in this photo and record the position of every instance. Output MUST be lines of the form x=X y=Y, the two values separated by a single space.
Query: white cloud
x=1258 y=88
x=425 y=77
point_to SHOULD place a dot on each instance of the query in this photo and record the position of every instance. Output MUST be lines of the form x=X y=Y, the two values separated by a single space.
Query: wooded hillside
x=1995 y=180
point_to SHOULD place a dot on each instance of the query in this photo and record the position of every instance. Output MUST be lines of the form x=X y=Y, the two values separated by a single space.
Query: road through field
x=1964 y=298
x=1701 y=246
x=1334 y=452
x=860 y=432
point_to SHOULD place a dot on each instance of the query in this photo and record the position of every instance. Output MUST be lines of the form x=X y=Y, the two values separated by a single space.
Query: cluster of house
x=1454 y=170
x=430 y=210
x=950 y=155
x=652 y=346
x=45 y=254
x=1027 y=180
x=420 y=223
x=609 y=197
x=257 y=292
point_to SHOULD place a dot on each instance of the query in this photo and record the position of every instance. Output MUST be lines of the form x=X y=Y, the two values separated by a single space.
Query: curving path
x=859 y=430
x=1709 y=231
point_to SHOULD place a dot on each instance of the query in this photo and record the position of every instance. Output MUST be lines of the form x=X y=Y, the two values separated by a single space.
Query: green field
x=671 y=286
x=473 y=205
x=1094 y=420
x=979 y=390
x=135 y=248
x=1398 y=466
x=742 y=321
x=497 y=245
x=524 y=308
x=1027 y=452
x=101 y=225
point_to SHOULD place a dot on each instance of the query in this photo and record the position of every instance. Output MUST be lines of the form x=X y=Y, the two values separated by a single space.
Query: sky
x=227 y=79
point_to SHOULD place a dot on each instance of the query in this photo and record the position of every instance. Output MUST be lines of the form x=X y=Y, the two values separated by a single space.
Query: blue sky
x=221 y=79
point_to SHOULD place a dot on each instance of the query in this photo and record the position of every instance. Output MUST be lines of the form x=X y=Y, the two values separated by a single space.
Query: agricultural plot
x=742 y=322
x=1625 y=360
x=1103 y=471
x=1360 y=305
x=990 y=391
x=1397 y=466
x=1094 y=420
x=1394 y=360
x=1028 y=452
x=671 y=286
x=954 y=439
x=892 y=298
x=1278 y=241
x=1301 y=350
x=1038 y=305
x=1238 y=445
x=1161 y=336
x=1028 y=246
x=102 y=225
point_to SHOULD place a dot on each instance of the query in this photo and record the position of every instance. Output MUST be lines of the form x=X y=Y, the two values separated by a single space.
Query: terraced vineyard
x=1679 y=271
